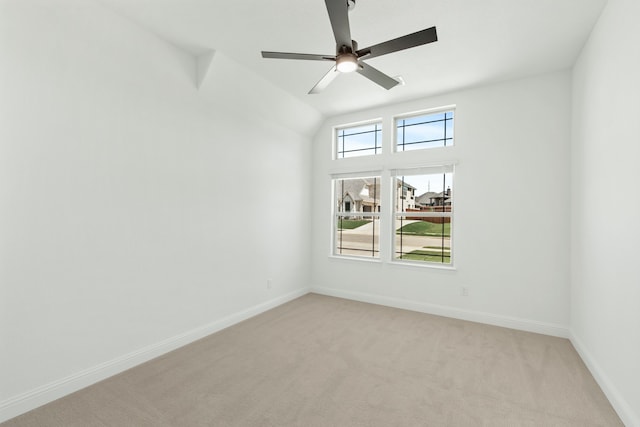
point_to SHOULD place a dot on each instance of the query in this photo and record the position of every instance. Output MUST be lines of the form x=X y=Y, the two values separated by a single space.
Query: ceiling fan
x=348 y=57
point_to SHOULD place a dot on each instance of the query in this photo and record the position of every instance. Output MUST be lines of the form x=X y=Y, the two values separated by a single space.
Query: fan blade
x=377 y=76
x=324 y=81
x=405 y=42
x=305 y=56
x=339 y=17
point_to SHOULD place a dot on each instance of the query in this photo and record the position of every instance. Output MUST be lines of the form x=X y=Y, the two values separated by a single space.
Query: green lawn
x=424 y=228
x=350 y=224
x=427 y=255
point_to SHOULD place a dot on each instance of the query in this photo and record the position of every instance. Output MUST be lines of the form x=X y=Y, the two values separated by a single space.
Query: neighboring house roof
x=350 y=196
x=425 y=198
x=354 y=188
x=440 y=195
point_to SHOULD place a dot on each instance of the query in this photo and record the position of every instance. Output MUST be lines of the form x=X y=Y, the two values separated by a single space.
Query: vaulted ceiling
x=480 y=41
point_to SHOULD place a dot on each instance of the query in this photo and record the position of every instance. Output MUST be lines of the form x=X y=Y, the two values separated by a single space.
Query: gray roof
x=426 y=197
x=353 y=188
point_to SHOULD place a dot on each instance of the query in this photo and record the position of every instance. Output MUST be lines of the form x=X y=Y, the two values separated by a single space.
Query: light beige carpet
x=322 y=361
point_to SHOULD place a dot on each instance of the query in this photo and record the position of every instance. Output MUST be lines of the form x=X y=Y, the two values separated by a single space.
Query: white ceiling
x=480 y=41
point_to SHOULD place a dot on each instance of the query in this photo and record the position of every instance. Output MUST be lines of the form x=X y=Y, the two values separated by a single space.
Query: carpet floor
x=323 y=361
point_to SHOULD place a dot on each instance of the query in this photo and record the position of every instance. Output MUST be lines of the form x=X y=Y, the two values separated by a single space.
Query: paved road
x=361 y=238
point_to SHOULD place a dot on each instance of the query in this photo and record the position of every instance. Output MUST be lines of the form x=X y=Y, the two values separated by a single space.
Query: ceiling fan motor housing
x=346 y=59
x=342 y=49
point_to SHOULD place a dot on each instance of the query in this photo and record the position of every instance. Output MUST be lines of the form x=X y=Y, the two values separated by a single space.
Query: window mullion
x=394 y=186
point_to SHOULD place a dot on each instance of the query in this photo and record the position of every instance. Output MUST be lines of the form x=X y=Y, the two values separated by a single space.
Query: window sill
x=353 y=258
x=399 y=264
x=420 y=265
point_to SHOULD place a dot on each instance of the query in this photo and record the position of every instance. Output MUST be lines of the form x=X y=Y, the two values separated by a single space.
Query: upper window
x=424 y=131
x=362 y=140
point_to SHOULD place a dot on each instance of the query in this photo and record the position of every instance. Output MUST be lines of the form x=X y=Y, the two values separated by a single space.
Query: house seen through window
x=413 y=204
x=357 y=220
x=423 y=223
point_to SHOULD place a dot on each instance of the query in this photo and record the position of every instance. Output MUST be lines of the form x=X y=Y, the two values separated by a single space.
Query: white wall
x=512 y=146
x=114 y=170
x=605 y=292
x=115 y=176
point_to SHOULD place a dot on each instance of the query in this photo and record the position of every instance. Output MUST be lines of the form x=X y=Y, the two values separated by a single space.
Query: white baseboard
x=446 y=311
x=32 y=399
x=624 y=410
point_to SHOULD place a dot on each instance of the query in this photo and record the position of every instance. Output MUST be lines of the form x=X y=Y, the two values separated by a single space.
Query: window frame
x=378 y=147
x=396 y=174
x=383 y=164
x=447 y=109
x=374 y=214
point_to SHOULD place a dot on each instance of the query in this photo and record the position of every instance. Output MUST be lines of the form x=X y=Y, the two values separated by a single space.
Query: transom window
x=361 y=140
x=424 y=131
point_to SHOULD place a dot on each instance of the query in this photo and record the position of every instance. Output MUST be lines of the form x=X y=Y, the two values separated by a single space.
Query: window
x=362 y=140
x=423 y=226
x=392 y=206
x=357 y=216
x=424 y=131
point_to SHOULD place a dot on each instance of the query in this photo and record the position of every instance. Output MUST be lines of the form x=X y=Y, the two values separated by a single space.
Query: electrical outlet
x=464 y=291
x=269 y=283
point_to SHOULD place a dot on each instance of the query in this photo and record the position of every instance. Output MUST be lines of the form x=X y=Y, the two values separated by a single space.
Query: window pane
x=357 y=224
x=424 y=193
x=423 y=205
x=357 y=194
x=425 y=131
x=359 y=141
x=358 y=236
x=423 y=239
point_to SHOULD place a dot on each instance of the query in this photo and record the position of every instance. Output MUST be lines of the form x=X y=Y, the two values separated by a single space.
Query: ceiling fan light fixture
x=347 y=63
